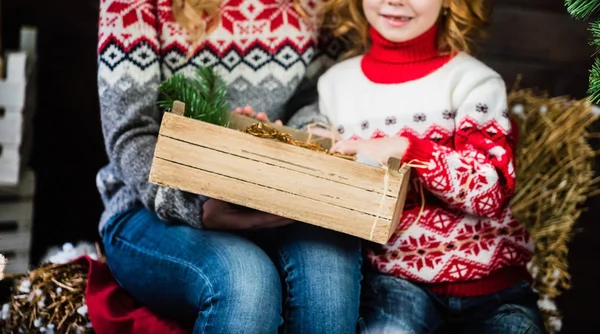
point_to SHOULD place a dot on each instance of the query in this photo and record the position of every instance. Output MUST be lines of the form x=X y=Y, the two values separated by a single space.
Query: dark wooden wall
x=536 y=38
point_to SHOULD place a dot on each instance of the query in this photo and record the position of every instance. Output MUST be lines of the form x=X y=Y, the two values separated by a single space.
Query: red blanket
x=113 y=310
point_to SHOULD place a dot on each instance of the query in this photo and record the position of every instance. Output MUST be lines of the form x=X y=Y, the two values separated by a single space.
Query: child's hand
x=324 y=133
x=261 y=116
x=380 y=149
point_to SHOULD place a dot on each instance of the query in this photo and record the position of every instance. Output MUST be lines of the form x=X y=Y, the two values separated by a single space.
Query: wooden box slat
x=279 y=178
x=275 y=176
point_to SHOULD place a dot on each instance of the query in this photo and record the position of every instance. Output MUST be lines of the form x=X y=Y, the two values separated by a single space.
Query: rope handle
x=386 y=167
x=402 y=170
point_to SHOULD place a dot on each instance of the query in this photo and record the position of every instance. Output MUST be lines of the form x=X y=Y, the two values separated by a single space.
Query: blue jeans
x=394 y=305
x=238 y=283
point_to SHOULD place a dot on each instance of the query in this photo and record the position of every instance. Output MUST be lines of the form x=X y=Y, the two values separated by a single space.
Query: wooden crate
x=16 y=216
x=17 y=105
x=279 y=178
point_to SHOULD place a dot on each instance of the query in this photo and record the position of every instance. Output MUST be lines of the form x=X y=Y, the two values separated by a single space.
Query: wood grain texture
x=541 y=42
x=279 y=178
x=533 y=34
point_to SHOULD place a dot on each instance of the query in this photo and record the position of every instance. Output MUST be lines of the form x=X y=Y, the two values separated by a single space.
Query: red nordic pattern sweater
x=454 y=112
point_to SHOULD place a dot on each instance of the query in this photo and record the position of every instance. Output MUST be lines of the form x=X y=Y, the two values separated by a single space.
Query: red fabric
x=500 y=280
x=112 y=310
x=389 y=63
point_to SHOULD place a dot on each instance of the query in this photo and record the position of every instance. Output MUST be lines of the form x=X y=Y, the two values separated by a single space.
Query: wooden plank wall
x=538 y=39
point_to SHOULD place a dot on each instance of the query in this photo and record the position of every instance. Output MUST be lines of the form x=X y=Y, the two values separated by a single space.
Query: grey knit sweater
x=269 y=56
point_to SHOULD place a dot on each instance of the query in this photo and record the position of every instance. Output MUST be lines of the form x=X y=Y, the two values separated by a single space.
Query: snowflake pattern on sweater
x=456 y=123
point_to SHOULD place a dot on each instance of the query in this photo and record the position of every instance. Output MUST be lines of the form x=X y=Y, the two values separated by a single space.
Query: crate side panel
x=315 y=163
x=266 y=199
x=276 y=175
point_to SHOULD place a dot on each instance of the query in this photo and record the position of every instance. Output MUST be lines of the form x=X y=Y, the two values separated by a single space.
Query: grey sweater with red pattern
x=268 y=54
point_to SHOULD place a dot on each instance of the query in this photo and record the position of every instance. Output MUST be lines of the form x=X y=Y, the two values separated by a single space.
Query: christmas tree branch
x=583 y=9
x=594 y=89
x=205 y=96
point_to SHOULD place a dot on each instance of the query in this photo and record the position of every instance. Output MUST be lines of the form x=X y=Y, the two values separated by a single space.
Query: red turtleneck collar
x=389 y=63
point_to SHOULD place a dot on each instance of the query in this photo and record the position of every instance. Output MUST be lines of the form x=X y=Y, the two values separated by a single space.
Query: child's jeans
x=394 y=305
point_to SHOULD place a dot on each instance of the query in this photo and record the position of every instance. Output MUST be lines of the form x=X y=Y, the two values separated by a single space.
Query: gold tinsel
x=52 y=295
x=555 y=176
x=264 y=130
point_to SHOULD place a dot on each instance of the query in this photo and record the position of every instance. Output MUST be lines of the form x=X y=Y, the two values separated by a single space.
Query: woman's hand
x=261 y=116
x=221 y=215
x=380 y=149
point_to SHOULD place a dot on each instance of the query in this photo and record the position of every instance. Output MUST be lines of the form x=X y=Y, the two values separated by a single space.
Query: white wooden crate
x=10 y=164
x=16 y=215
x=17 y=104
x=12 y=87
x=11 y=126
x=12 y=102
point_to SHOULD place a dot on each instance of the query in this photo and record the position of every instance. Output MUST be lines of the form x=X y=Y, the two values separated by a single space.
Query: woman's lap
x=186 y=273
x=231 y=284
x=321 y=273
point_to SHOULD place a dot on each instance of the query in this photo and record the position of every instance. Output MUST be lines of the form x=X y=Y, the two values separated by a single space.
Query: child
x=417 y=95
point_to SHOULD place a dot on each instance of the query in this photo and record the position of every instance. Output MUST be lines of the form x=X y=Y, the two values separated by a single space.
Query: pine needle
x=205 y=96
x=594 y=88
x=595 y=30
x=583 y=9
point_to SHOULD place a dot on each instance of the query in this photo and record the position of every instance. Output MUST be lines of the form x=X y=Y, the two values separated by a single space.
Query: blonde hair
x=201 y=17
x=463 y=23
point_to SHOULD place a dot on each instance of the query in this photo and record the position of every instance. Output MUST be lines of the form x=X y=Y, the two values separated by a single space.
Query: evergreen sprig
x=594 y=88
x=595 y=30
x=205 y=96
x=583 y=9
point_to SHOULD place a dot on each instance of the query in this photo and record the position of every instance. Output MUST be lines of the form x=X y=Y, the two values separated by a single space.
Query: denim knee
x=322 y=274
x=221 y=281
x=244 y=299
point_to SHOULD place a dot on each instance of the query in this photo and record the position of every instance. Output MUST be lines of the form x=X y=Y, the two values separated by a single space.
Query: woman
x=188 y=257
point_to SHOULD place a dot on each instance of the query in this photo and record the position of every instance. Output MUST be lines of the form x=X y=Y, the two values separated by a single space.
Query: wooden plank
x=537 y=35
x=17 y=241
x=552 y=5
x=16 y=216
x=259 y=197
x=295 y=158
x=178 y=108
x=275 y=175
x=554 y=78
x=24 y=190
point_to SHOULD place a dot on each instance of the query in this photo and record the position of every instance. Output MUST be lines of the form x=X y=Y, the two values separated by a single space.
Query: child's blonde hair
x=459 y=25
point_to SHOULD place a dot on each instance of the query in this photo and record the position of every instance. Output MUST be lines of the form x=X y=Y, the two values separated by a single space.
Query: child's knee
x=518 y=319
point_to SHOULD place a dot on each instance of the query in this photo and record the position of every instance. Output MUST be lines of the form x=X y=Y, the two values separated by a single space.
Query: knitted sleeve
x=128 y=78
x=304 y=107
x=477 y=176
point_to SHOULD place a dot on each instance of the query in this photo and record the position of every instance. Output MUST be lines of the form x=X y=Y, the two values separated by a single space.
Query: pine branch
x=595 y=30
x=583 y=9
x=594 y=88
x=205 y=96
